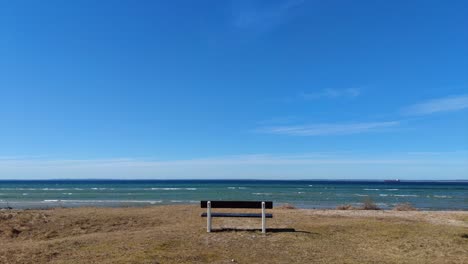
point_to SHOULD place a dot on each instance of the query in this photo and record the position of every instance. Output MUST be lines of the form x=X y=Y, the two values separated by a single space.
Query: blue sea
x=302 y=194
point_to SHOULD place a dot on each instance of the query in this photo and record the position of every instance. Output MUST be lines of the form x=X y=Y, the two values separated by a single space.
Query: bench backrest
x=237 y=204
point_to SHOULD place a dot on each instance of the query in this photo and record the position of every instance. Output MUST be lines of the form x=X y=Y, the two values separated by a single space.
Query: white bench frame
x=208 y=217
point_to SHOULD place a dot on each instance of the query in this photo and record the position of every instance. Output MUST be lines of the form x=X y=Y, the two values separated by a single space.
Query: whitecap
x=371 y=189
x=173 y=189
x=405 y=195
x=18 y=189
x=107 y=201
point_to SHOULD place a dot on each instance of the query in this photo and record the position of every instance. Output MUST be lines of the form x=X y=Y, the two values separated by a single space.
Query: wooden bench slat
x=251 y=215
x=237 y=204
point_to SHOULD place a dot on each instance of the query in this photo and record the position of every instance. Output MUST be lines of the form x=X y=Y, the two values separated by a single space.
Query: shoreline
x=53 y=204
x=419 y=214
x=435 y=217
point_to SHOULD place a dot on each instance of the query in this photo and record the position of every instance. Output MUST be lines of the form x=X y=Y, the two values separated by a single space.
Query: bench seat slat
x=237 y=204
x=238 y=215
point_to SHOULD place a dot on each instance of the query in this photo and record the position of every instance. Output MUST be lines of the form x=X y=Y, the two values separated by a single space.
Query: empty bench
x=236 y=204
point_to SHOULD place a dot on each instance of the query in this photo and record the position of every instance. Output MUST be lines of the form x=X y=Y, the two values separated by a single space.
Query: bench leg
x=263 y=218
x=208 y=217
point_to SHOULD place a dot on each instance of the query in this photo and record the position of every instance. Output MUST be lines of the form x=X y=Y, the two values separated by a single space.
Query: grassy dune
x=177 y=234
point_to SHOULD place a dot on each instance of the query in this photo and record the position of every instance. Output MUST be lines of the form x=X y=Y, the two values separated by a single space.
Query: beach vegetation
x=345 y=207
x=286 y=206
x=369 y=204
x=404 y=207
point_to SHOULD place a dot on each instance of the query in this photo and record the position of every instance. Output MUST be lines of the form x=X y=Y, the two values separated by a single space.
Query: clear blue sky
x=234 y=89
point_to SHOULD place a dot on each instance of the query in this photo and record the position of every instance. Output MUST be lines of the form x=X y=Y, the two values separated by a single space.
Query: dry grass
x=368 y=204
x=346 y=207
x=286 y=206
x=404 y=207
x=176 y=234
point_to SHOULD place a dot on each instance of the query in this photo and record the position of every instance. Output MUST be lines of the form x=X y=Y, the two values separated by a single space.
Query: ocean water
x=303 y=194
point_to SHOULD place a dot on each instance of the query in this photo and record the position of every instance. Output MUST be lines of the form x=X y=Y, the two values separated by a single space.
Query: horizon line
x=230 y=179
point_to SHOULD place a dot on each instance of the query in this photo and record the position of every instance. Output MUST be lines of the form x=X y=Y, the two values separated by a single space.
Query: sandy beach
x=177 y=234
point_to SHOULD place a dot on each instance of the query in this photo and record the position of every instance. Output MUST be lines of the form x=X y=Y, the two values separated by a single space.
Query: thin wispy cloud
x=248 y=16
x=331 y=93
x=328 y=129
x=446 y=104
x=310 y=165
x=265 y=159
x=440 y=153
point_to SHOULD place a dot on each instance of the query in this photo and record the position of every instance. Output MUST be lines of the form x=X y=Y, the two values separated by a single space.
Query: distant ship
x=395 y=180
